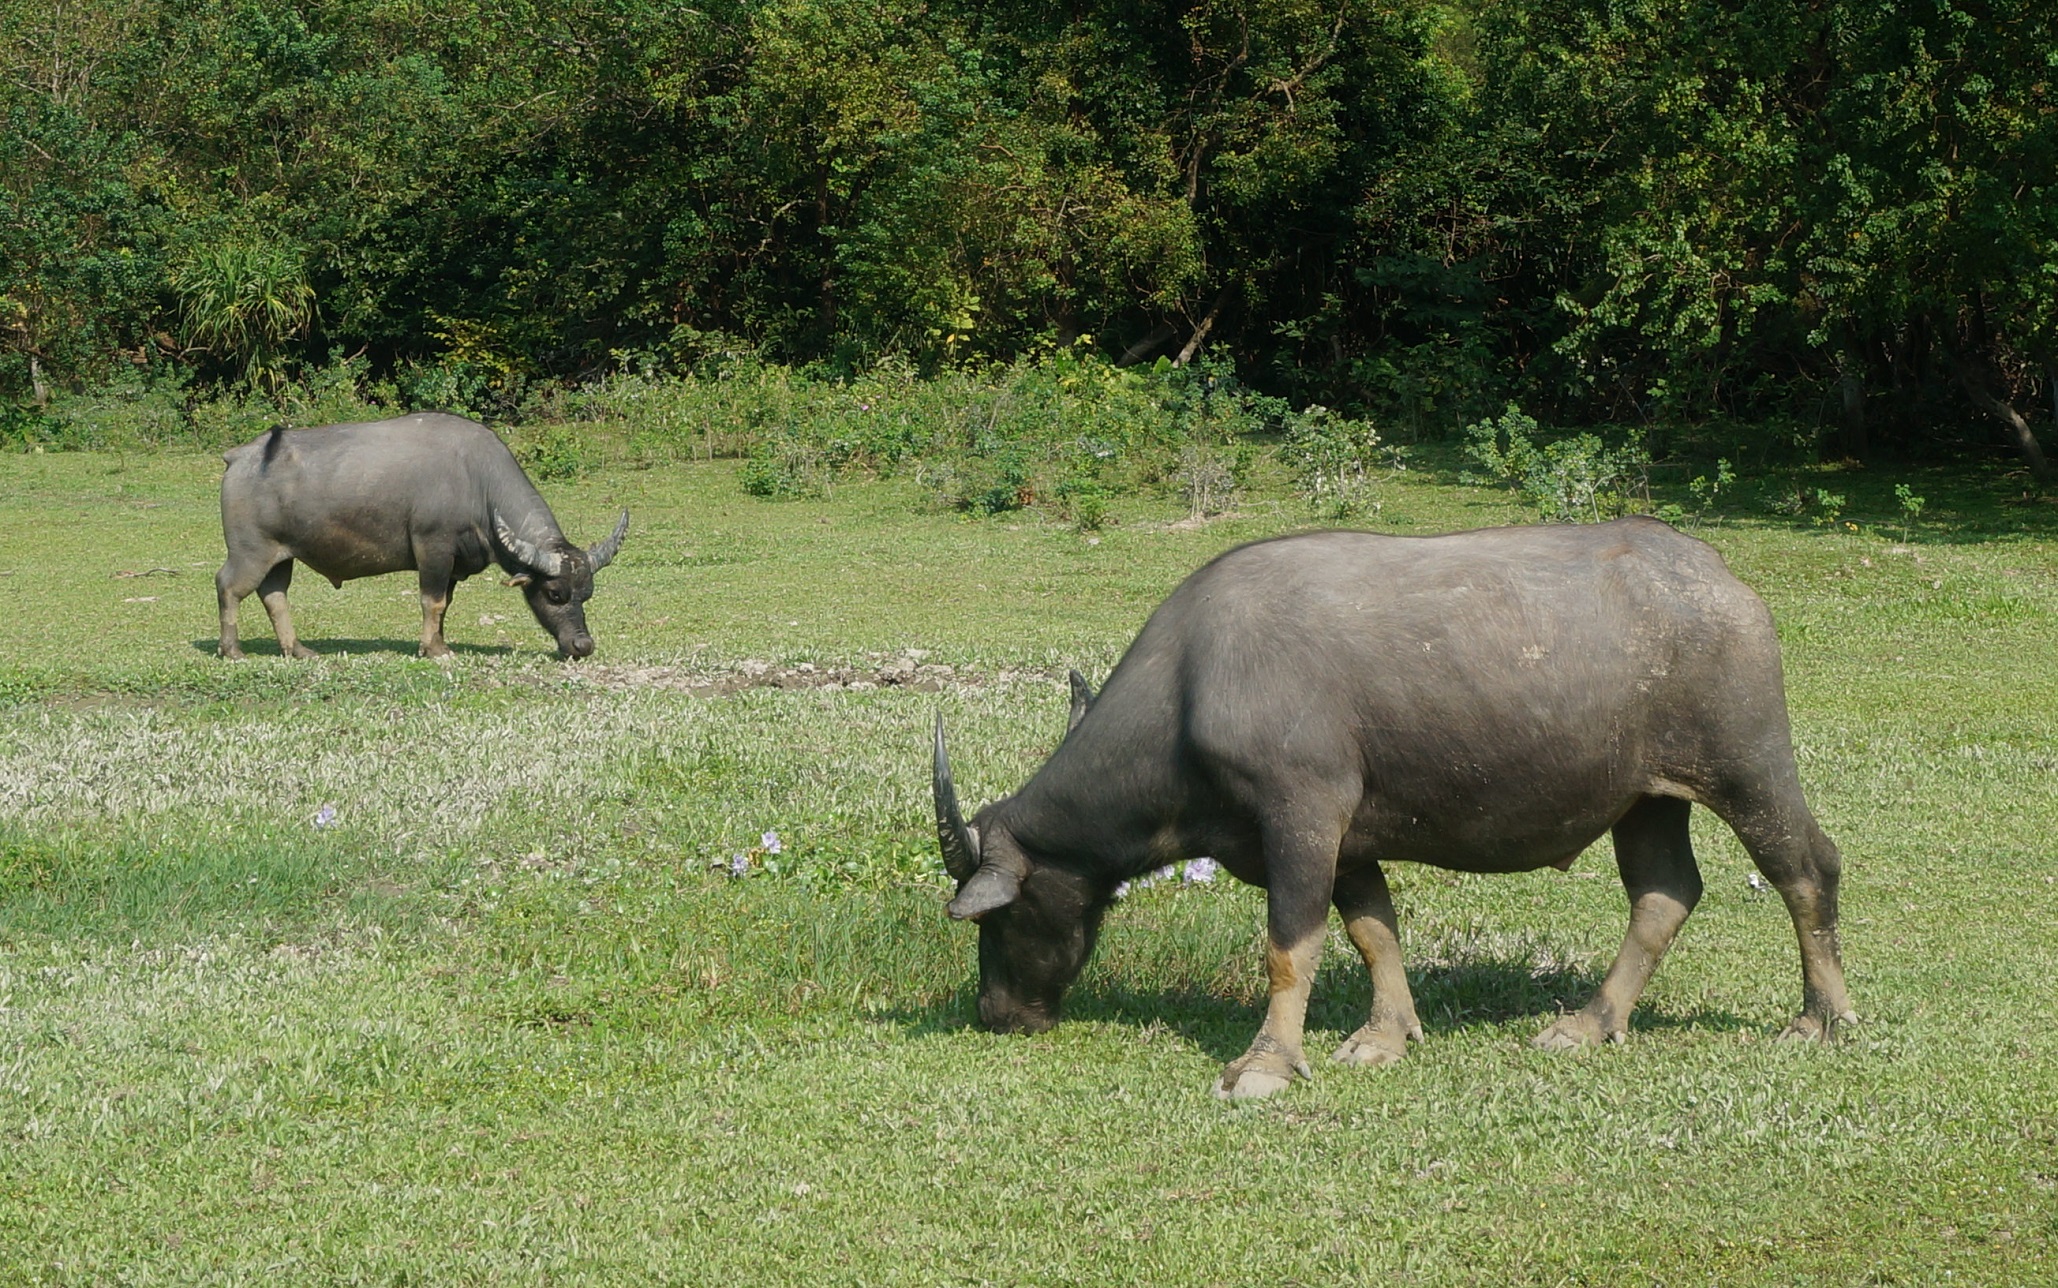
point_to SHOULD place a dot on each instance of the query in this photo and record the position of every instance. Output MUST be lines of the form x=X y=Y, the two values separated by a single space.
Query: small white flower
x=770 y=843
x=1201 y=870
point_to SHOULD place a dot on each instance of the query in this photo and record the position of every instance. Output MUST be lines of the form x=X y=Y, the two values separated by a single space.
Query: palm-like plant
x=241 y=300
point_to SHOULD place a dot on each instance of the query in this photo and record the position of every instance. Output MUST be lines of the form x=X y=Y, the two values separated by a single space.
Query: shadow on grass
x=1965 y=503
x=342 y=647
x=1454 y=997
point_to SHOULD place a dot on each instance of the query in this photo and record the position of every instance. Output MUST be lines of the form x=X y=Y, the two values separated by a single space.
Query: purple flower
x=1201 y=870
x=1122 y=890
x=770 y=843
x=739 y=863
x=325 y=817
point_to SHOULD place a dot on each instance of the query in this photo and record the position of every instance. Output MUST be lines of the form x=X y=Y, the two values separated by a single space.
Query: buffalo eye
x=555 y=595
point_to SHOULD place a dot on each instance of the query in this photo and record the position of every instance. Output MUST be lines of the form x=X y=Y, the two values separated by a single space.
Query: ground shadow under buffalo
x=1449 y=998
x=339 y=647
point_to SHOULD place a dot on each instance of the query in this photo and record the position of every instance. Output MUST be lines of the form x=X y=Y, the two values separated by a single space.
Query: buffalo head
x=557 y=580
x=1037 y=920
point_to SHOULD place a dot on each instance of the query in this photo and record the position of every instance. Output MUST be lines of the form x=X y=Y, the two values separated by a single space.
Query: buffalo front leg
x=1659 y=874
x=1301 y=869
x=1365 y=904
x=435 y=602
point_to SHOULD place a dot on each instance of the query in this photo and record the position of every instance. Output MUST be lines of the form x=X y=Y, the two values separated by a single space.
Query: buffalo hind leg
x=1300 y=858
x=271 y=592
x=1803 y=864
x=1365 y=904
x=234 y=583
x=1663 y=883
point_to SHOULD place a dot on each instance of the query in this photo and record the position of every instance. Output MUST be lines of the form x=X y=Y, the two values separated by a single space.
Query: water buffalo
x=1308 y=708
x=433 y=492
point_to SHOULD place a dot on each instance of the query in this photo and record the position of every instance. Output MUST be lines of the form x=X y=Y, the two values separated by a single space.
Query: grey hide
x=1308 y=709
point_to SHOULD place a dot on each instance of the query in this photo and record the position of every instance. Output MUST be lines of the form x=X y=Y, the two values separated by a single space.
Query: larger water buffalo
x=1308 y=708
x=431 y=492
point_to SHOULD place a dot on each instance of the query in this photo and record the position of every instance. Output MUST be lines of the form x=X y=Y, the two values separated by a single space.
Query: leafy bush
x=144 y=411
x=555 y=452
x=1333 y=458
x=1579 y=479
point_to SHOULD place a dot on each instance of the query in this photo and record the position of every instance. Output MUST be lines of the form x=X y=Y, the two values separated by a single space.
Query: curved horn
x=1082 y=701
x=960 y=850
x=548 y=562
x=603 y=554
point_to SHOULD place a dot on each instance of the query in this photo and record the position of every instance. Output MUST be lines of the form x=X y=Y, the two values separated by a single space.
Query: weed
x=1911 y=507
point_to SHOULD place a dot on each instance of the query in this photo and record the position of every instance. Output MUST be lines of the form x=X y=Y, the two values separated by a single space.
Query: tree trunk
x=1207 y=324
x=1852 y=386
x=42 y=391
x=1974 y=382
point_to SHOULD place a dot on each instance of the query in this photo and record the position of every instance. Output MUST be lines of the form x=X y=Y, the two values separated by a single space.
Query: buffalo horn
x=1082 y=699
x=603 y=554
x=548 y=562
x=960 y=851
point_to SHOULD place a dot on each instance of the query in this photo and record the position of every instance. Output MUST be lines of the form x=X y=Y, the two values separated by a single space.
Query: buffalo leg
x=1301 y=861
x=1656 y=857
x=1366 y=906
x=234 y=583
x=272 y=593
x=1804 y=865
x=435 y=583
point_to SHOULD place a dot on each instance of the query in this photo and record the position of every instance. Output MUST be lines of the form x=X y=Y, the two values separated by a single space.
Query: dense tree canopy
x=1839 y=213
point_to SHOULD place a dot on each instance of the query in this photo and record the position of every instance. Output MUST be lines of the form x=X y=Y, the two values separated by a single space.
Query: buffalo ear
x=989 y=888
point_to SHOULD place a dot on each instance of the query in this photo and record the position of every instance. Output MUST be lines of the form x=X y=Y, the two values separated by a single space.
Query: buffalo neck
x=509 y=494
x=1109 y=802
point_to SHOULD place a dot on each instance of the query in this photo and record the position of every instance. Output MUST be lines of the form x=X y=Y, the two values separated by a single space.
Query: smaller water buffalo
x=431 y=492
x=1309 y=708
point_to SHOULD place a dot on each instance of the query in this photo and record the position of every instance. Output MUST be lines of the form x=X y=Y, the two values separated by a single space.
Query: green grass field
x=502 y=1020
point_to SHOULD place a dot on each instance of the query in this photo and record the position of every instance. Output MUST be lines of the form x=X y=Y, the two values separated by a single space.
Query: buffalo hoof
x=1812 y=1028
x=302 y=652
x=1257 y=1076
x=230 y=654
x=1573 y=1031
x=1371 y=1047
x=436 y=652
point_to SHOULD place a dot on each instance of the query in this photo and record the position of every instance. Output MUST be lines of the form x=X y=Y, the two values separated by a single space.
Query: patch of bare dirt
x=879 y=671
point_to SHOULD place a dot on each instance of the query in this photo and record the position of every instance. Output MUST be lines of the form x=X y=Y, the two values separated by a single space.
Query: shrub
x=1579 y=479
x=556 y=452
x=1333 y=458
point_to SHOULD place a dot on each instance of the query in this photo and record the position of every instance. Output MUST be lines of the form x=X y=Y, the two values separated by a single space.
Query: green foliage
x=1645 y=213
x=555 y=452
x=243 y=300
x=1576 y=479
x=1911 y=507
x=1333 y=458
x=1705 y=491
